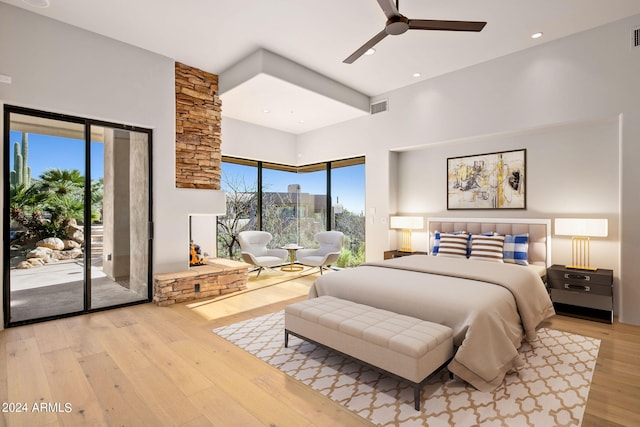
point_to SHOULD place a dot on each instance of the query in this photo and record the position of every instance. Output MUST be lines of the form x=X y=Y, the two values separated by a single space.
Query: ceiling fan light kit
x=399 y=24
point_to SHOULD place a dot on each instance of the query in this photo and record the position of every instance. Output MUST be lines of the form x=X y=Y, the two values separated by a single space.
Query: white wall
x=249 y=141
x=63 y=69
x=570 y=170
x=591 y=76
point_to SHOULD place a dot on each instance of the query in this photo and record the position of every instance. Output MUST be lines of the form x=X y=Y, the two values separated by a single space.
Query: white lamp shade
x=407 y=222
x=586 y=227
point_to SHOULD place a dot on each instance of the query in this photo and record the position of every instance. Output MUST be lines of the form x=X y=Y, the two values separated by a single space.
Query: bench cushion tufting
x=403 y=334
x=410 y=348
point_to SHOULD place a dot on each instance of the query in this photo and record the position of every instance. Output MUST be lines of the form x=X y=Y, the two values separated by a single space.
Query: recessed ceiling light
x=37 y=3
x=536 y=35
x=417 y=74
x=301 y=121
x=370 y=51
x=266 y=111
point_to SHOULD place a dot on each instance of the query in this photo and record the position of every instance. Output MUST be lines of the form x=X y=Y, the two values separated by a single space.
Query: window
x=348 y=206
x=239 y=181
x=294 y=204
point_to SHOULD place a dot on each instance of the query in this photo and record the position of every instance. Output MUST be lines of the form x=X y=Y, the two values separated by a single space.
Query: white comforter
x=491 y=307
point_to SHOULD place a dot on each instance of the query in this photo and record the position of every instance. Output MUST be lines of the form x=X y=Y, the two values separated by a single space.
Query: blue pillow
x=436 y=243
x=516 y=249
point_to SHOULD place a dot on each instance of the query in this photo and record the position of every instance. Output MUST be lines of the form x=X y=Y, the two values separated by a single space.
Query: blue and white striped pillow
x=516 y=249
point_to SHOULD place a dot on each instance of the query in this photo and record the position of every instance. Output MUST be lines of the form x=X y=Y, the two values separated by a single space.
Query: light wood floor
x=152 y=366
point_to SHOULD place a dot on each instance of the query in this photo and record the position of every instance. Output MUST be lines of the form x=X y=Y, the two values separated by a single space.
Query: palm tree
x=62 y=182
x=25 y=204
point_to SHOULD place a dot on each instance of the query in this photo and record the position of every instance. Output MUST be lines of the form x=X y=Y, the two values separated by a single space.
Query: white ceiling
x=213 y=35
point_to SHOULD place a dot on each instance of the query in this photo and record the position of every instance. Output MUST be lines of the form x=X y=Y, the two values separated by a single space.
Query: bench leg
x=416 y=396
x=286 y=338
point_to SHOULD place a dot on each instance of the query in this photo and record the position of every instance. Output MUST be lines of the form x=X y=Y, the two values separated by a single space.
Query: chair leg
x=323 y=267
x=259 y=271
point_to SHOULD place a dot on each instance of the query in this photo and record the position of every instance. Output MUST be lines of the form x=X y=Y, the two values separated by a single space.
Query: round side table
x=292 y=248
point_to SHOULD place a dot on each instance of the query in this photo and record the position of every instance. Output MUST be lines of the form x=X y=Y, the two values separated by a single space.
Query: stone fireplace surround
x=219 y=276
x=197 y=151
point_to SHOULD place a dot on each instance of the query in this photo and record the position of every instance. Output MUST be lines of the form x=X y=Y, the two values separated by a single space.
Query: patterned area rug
x=550 y=390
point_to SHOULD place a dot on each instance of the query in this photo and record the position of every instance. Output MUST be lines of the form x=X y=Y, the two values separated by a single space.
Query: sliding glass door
x=76 y=215
x=119 y=217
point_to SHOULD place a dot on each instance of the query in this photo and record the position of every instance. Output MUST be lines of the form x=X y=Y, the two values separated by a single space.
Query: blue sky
x=53 y=152
x=348 y=182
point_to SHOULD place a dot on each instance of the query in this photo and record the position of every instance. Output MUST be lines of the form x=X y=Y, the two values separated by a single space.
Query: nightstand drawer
x=585 y=287
x=582 y=299
x=585 y=277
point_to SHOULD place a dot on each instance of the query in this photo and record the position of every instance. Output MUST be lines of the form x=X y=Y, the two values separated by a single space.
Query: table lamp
x=581 y=230
x=406 y=224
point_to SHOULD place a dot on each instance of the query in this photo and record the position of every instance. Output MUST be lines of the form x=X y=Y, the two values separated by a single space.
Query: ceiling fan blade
x=365 y=47
x=428 y=24
x=389 y=8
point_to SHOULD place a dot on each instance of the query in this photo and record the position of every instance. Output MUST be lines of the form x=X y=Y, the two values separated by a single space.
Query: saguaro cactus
x=21 y=175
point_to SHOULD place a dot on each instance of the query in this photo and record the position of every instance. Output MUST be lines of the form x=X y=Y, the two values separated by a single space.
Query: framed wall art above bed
x=487 y=181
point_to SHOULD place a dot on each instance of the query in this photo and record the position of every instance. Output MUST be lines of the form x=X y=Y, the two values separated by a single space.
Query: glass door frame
x=88 y=123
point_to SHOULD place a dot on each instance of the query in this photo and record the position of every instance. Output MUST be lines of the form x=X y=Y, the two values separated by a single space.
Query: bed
x=491 y=306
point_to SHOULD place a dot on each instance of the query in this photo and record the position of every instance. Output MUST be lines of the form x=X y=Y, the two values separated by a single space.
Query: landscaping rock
x=77 y=236
x=69 y=254
x=40 y=252
x=71 y=244
x=75 y=232
x=36 y=262
x=24 y=265
x=51 y=243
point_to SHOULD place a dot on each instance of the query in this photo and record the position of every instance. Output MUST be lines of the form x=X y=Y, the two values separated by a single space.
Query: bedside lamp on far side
x=406 y=224
x=581 y=230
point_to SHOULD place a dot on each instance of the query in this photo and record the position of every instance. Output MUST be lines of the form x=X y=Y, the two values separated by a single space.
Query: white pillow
x=487 y=248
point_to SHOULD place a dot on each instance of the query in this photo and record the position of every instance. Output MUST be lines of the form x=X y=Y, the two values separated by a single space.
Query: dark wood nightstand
x=582 y=293
x=397 y=254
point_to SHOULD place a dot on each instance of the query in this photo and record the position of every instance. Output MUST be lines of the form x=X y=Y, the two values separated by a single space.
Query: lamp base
x=581 y=267
x=406 y=241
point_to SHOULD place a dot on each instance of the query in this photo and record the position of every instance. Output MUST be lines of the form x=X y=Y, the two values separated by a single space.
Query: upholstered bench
x=404 y=346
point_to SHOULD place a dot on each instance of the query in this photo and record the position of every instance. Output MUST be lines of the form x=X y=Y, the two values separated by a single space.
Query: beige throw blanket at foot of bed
x=488 y=320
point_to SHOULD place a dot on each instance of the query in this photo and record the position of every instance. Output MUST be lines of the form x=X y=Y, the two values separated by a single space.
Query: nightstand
x=398 y=254
x=582 y=293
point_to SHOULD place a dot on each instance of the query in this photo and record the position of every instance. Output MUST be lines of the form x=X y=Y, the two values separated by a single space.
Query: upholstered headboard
x=539 y=232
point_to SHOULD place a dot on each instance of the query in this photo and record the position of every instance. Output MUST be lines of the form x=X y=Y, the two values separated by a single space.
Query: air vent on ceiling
x=635 y=37
x=379 y=107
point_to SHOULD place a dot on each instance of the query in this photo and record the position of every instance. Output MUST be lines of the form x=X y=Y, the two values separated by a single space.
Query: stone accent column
x=198 y=137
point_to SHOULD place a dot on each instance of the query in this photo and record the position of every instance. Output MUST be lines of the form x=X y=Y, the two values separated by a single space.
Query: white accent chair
x=255 y=251
x=329 y=251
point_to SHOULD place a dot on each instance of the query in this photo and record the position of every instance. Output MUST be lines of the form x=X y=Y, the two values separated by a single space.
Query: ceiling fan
x=398 y=24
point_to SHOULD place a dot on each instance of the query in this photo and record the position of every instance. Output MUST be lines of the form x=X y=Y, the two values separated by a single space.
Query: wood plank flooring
x=162 y=366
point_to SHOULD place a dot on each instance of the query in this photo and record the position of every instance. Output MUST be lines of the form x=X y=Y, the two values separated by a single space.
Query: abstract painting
x=487 y=181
